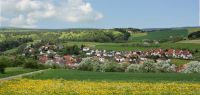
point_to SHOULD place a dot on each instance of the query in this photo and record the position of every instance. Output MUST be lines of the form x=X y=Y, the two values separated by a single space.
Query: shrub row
x=89 y=64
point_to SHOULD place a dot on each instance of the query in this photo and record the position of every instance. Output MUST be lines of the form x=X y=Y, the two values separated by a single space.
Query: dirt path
x=22 y=75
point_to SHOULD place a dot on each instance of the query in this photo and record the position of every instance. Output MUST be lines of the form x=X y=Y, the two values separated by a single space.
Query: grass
x=127 y=46
x=190 y=41
x=136 y=35
x=11 y=71
x=179 y=62
x=121 y=47
x=130 y=46
x=163 y=34
x=115 y=76
x=190 y=30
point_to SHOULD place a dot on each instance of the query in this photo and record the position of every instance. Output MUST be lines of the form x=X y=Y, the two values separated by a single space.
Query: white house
x=86 y=49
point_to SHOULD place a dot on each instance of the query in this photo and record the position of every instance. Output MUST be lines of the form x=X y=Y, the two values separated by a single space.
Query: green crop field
x=161 y=34
x=115 y=76
x=127 y=46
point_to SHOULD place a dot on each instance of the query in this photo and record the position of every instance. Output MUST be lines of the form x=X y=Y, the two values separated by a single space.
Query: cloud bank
x=29 y=13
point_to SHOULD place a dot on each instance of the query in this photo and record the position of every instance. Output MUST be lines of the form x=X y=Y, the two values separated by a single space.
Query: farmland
x=60 y=87
x=161 y=34
x=114 y=76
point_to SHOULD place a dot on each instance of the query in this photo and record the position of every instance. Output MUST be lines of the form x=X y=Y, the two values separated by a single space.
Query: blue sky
x=100 y=13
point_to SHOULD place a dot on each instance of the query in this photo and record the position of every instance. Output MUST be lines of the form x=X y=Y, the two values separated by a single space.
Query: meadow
x=190 y=41
x=11 y=71
x=114 y=76
x=160 y=34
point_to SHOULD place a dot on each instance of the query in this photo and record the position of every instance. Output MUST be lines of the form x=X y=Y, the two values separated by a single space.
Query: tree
x=4 y=62
x=194 y=35
x=31 y=63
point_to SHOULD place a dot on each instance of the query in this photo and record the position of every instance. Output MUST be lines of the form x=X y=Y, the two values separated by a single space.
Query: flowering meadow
x=65 y=87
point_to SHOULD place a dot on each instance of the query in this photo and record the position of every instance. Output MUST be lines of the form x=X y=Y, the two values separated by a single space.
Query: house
x=88 y=53
x=58 y=60
x=170 y=52
x=86 y=49
x=186 y=55
x=119 y=58
x=69 y=59
x=43 y=58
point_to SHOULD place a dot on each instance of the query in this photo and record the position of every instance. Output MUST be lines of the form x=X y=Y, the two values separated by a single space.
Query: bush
x=192 y=67
x=4 y=62
x=134 y=68
x=58 y=66
x=194 y=35
x=51 y=64
x=89 y=65
x=19 y=61
x=31 y=63
x=124 y=66
x=111 y=67
x=149 y=66
x=165 y=67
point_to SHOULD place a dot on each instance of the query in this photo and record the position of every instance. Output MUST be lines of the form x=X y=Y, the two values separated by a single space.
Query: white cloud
x=27 y=13
x=21 y=21
x=3 y=19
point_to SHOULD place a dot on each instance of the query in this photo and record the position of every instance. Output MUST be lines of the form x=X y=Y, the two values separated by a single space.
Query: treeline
x=94 y=36
x=9 y=44
x=62 y=35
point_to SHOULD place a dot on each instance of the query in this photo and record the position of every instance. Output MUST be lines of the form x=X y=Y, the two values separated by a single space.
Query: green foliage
x=72 y=50
x=89 y=64
x=165 y=67
x=9 y=44
x=111 y=67
x=134 y=68
x=18 y=61
x=31 y=63
x=149 y=66
x=194 y=35
x=179 y=62
x=4 y=62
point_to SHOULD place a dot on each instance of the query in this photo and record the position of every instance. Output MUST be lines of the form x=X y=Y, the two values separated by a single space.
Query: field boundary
x=22 y=75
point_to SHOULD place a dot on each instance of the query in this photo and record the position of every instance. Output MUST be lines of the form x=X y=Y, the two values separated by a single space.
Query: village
x=47 y=53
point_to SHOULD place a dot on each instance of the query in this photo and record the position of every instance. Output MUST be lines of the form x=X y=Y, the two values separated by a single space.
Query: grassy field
x=179 y=62
x=161 y=34
x=15 y=71
x=190 y=30
x=124 y=47
x=132 y=46
x=137 y=35
x=115 y=76
x=190 y=41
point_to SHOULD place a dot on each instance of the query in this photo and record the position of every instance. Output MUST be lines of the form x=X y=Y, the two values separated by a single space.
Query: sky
x=99 y=13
